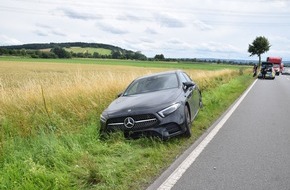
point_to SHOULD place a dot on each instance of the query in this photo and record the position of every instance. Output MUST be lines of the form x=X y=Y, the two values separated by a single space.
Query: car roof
x=160 y=73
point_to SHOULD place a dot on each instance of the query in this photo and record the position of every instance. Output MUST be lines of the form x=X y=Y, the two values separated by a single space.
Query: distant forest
x=37 y=46
x=57 y=50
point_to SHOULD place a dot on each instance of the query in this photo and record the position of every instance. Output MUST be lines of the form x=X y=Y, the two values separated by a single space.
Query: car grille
x=140 y=122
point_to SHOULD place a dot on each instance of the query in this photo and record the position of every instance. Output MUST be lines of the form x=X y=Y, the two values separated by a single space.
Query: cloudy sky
x=175 y=28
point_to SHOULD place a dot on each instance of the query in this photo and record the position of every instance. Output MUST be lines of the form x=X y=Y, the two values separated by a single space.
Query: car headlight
x=165 y=112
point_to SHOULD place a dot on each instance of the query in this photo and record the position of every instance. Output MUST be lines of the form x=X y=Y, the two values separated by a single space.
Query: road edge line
x=180 y=170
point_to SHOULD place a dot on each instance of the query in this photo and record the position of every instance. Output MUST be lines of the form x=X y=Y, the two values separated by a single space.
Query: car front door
x=193 y=94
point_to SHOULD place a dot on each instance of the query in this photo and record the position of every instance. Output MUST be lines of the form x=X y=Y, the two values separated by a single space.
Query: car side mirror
x=120 y=94
x=188 y=84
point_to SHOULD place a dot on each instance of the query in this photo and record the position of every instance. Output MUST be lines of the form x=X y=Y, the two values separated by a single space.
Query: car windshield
x=153 y=83
x=267 y=65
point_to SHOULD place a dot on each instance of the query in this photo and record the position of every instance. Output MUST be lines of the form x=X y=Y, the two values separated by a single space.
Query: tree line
x=37 y=46
x=57 y=50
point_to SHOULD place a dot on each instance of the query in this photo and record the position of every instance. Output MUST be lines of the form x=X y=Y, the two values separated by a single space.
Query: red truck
x=277 y=64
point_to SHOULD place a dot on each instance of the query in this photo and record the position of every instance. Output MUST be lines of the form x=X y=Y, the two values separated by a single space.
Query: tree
x=96 y=55
x=259 y=46
x=60 y=52
x=116 y=55
x=159 y=57
x=139 y=56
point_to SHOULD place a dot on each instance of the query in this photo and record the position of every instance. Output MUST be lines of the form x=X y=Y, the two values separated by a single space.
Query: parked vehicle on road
x=277 y=64
x=267 y=71
x=162 y=104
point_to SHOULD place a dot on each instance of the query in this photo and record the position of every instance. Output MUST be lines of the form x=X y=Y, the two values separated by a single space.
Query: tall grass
x=49 y=119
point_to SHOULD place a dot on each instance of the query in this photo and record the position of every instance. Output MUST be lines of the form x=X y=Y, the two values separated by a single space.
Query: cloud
x=169 y=47
x=202 y=26
x=176 y=45
x=146 y=40
x=150 y=31
x=5 y=40
x=58 y=33
x=280 y=39
x=70 y=13
x=111 y=29
x=49 y=33
x=42 y=26
x=217 y=48
x=45 y=30
x=130 y=17
x=169 y=21
x=174 y=41
x=42 y=30
x=40 y=33
x=278 y=3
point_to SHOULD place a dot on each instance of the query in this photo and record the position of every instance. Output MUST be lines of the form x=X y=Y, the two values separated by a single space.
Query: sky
x=221 y=29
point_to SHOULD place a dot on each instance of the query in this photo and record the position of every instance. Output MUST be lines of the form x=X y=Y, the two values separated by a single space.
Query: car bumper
x=148 y=124
x=267 y=75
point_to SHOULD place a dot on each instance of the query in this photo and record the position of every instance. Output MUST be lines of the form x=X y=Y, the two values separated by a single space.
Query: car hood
x=141 y=102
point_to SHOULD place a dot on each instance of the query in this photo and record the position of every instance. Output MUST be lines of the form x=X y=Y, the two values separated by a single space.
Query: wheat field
x=59 y=96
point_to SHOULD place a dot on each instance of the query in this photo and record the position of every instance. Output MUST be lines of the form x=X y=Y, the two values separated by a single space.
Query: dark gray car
x=163 y=104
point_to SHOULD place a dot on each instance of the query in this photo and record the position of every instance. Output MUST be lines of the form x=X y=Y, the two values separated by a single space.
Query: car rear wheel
x=187 y=122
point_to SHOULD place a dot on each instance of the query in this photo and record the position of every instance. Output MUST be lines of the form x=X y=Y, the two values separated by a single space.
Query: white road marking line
x=180 y=170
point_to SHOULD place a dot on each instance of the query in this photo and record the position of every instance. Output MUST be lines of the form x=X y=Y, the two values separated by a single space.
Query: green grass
x=78 y=159
x=149 y=64
x=101 y=51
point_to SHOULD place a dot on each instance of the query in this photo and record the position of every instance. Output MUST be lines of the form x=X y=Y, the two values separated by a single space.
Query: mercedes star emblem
x=129 y=122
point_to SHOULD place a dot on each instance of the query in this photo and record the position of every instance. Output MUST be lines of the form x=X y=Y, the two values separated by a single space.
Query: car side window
x=185 y=77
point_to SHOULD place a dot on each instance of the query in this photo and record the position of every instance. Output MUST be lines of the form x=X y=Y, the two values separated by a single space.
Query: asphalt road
x=250 y=151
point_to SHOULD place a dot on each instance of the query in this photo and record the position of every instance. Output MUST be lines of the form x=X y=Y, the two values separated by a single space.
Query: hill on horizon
x=81 y=49
x=40 y=46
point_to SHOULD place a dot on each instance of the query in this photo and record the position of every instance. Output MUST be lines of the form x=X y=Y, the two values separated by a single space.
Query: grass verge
x=79 y=160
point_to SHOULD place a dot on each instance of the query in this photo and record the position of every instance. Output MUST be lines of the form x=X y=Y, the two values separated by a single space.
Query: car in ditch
x=162 y=104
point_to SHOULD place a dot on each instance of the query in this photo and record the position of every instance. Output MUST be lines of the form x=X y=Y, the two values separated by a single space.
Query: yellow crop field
x=60 y=95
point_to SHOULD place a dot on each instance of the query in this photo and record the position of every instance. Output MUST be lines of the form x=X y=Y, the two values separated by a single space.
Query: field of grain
x=55 y=96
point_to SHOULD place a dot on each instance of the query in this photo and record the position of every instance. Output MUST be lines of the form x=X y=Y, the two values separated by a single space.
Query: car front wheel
x=187 y=122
